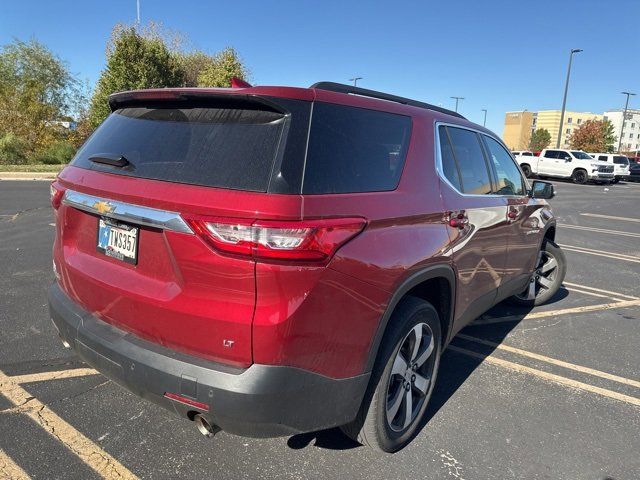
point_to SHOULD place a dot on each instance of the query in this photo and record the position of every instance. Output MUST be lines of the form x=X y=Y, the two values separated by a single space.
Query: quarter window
x=473 y=176
x=509 y=179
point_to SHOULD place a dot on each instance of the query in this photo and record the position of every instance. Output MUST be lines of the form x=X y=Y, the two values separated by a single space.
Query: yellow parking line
x=59 y=374
x=9 y=469
x=548 y=376
x=553 y=361
x=597 y=215
x=552 y=313
x=100 y=461
x=600 y=290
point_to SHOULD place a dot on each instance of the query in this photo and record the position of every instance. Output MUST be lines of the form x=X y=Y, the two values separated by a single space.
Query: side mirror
x=567 y=159
x=544 y=190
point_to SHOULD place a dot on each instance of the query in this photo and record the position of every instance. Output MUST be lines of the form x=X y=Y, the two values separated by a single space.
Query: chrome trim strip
x=150 y=217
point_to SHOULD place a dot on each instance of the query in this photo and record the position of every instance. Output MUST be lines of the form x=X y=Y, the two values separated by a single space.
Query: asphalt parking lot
x=552 y=393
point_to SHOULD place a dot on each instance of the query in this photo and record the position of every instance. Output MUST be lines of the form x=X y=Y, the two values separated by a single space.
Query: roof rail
x=365 y=92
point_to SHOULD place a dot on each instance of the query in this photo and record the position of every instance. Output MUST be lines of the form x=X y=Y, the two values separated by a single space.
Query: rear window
x=219 y=147
x=620 y=160
x=354 y=150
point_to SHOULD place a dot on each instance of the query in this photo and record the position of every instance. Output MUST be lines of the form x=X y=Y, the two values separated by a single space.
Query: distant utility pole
x=484 y=122
x=355 y=80
x=624 y=116
x=564 y=99
x=457 y=99
x=138 y=11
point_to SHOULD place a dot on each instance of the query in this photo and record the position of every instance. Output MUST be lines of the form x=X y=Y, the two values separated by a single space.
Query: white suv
x=575 y=164
x=620 y=164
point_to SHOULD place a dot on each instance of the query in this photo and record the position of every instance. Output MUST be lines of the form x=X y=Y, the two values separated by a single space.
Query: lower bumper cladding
x=260 y=401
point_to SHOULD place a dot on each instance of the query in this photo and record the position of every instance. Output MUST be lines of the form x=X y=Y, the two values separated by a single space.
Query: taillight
x=307 y=241
x=56 y=195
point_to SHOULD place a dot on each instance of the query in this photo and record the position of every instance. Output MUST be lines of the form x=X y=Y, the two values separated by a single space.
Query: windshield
x=581 y=155
x=621 y=160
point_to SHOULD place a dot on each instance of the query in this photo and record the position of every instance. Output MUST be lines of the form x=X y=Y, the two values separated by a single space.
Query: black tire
x=615 y=180
x=526 y=169
x=553 y=279
x=580 y=176
x=371 y=426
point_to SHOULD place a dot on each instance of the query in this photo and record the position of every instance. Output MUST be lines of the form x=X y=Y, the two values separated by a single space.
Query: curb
x=28 y=175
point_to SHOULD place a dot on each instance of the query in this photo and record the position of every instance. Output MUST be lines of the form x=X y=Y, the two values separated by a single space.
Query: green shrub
x=13 y=150
x=56 y=153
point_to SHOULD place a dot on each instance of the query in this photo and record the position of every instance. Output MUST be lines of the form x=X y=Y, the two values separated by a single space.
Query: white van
x=620 y=164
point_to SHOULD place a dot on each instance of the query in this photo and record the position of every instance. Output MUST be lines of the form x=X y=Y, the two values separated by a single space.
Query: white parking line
x=9 y=469
x=624 y=219
x=593 y=294
x=547 y=376
x=601 y=253
x=601 y=290
x=601 y=230
x=553 y=361
x=91 y=454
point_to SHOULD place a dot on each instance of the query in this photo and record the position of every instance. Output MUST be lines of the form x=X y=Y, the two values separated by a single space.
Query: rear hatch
x=128 y=248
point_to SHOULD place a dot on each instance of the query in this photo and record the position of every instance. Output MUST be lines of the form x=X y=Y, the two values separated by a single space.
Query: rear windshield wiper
x=110 y=159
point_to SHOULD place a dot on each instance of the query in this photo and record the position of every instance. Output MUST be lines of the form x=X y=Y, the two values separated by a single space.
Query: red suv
x=274 y=260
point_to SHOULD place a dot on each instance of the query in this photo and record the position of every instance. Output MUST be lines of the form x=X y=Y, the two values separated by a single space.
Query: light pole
x=624 y=116
x=457 y=99
x=484 y=122
x=355 y=80
x=564 y=99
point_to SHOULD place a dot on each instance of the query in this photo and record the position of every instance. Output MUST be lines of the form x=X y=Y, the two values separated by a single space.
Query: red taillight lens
x=308 y=241
x=56 y=195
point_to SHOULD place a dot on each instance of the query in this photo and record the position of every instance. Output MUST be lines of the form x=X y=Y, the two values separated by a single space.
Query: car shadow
x=454 y=370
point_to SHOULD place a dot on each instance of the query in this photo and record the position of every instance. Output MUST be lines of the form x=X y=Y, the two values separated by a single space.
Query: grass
x=31 y=168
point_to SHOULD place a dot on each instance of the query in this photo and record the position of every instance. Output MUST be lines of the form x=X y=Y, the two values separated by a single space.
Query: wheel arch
x=435 y=284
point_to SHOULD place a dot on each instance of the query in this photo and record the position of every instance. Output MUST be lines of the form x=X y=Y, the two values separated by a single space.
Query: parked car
x=620 y=163
x=258 y=269
x=574 y=164
x=524 y=153
x=634 y=172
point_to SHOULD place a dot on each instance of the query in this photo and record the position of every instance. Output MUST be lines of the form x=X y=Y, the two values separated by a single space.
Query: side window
x=449 y=167
x=467 y=152
x=603 y=158
x=551 y=154
x=507 y=173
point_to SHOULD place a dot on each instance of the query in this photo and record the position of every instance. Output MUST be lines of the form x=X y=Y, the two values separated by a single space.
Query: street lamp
x=355 y=80
x=484 y=122
x=624 y=116
x=457 y=99
x=564 y=99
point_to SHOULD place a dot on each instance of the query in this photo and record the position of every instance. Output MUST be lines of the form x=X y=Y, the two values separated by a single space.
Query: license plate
x=118 y=240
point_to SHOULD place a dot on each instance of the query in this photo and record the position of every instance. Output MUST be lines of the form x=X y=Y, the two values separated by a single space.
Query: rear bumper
x=260 y=401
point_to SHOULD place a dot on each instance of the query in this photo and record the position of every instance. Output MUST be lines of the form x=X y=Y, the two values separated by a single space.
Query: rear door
x=128 y=246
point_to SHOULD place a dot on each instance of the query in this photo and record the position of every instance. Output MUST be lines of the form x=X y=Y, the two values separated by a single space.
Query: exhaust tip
x=204 y=427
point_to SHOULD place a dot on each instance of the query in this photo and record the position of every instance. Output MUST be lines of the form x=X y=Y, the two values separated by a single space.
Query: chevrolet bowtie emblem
x=103 y=207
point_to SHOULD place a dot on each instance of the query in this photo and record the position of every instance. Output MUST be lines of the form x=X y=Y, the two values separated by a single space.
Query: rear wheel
x=402 y=380
x=546 y=279
x=580 y=176
x=526 y=169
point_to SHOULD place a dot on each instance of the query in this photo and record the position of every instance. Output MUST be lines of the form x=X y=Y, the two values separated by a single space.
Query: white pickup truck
x=575 y=164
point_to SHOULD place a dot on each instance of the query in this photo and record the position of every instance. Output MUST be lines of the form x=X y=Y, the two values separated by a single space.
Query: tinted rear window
x=218 y=147
x=354 y=150
x=620 y=160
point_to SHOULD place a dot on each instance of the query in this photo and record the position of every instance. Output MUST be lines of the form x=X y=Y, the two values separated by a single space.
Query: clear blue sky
x=499 y=55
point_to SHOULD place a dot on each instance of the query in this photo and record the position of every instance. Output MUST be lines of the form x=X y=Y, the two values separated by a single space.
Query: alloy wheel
x=410 y=378
x=543 y=278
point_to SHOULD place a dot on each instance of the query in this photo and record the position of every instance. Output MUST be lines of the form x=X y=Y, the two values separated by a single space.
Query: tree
x=36 y=90
x=593 y=136
x=136 y=58
x=224 y=66
x=540 y=140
